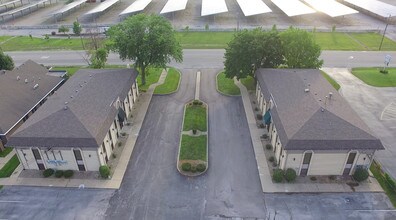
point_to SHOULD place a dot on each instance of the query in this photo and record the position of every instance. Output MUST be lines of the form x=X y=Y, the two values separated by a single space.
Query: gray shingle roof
x=90 y=96
x=18 y=97
x=309 y=120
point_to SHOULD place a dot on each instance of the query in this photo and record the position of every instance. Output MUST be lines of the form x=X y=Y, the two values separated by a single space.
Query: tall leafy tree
x=250 y=50
x=6 y=62
x=300 y=49
x=149 y=40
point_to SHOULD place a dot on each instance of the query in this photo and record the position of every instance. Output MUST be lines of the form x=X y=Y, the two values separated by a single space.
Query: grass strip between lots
x=6 y=151
x=9 y=167
x=331 y=81
x=227 y=85
x=152 y=76
x=193 y=148
x=249 y=82
x=211 y=40
x=372 y=76
x=195 y=118
x=171 y=82
x=391 y=193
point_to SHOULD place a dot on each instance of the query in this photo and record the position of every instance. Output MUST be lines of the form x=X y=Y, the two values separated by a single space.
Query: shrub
x=256 y=109
x=332 y=177
x=259 y=117
x=197 y=102
x=265 y=136
x=48 y=172
x=123 y=134
x=274 y=164
x=201 y=167
x=114 y=155
x=186 y=166
x=268 y=146
x=384 y=71
x=261 y=125
x=360 y=174
x=119 y=144
x=271 y=159
x=68 y=173
x=312 y=178
x=58 y=173
x=290 y=175
x=277 y=175
x=104 y=171
x=193 y=169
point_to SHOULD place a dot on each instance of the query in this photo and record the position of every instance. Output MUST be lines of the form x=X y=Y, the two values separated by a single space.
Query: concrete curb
x=218 y=90
x=178 y=85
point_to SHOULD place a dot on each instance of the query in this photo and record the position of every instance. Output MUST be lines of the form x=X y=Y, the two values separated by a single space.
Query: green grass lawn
x=26 y=43
x=249 y=83
x=171 y=82
x=70 y=69
x=9 y=167
x=382 y=181
x=373 y=77
x=209 y=40
x=152 y=76
x=6 y=151
x=226 y=85
x=195 y=118
x=331 y=81
x=353 y=41
x=193 y=148
x=204 y=40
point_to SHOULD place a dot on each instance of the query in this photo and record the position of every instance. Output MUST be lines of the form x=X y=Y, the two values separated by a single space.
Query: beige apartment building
x=79 y=126
x=312 y=129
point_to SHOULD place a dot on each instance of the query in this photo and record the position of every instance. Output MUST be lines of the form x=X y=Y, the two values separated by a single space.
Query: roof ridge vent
x=26 y=81
x=65 y=107
x=36 y=86
x=306 y=90
x=18 y=78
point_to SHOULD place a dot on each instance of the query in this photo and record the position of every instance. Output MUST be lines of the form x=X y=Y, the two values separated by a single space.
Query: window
x=77 y=154
x=307 y=158
x=36 y=154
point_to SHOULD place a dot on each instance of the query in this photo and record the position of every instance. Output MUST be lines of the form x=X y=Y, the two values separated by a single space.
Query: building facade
x=23 y=90
x=312 y=129
x=79 y=126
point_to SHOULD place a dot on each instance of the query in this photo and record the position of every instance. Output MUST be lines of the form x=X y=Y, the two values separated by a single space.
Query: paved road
x=153 y=188
x=377 y=107
x=203 y=58
x=53 y=203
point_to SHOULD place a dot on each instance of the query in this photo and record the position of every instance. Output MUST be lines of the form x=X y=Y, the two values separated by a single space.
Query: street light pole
x=383 y=36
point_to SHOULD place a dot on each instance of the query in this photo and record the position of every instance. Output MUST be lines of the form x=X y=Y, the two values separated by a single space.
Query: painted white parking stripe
x=389 y=113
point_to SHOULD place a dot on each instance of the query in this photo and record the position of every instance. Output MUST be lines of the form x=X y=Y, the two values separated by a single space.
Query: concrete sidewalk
x=114 y=183
x=265 y=177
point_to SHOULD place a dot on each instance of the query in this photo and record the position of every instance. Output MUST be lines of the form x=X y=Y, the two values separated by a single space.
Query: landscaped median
x=193 y=147
x=374 y=77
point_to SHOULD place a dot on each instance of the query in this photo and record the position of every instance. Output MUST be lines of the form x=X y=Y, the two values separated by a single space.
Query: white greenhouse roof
x=138 y=5
x=174 y=5
x=21 y=9
x=293 y=7
x=331 y=7
x=9 y=3
x=69 y=7
x=211 y=7
x=102 y=6
x=379 y=8
x=253 y=7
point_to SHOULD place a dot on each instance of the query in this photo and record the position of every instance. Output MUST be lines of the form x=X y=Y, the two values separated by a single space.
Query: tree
x=99 y=58
x=6 y=62
x=300 y=49
x=77 y=28
x=149 y=40
x=63 y=29
x=250 y=50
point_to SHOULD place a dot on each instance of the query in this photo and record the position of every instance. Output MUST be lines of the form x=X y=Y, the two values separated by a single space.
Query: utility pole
x=386 y=27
